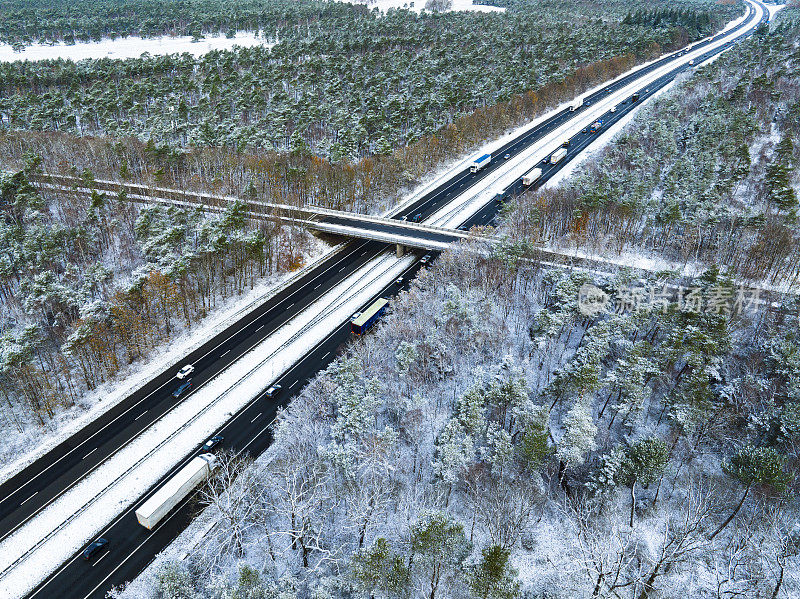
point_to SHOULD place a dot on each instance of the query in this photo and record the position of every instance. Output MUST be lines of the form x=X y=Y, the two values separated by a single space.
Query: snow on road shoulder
x=132 y=47
x=31 y=446
x=83 y=511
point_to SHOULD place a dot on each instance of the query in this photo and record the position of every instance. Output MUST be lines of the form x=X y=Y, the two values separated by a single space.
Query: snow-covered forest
x=489 y=440
x=707 y=175
x=493 y=438
x=348 y=105
x=90 y=286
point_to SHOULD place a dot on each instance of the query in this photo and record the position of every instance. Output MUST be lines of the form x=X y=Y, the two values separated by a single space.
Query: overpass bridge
x=401 y=233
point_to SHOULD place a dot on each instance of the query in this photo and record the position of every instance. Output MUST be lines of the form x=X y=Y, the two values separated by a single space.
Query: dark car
x=94 y=549
x=417 y=217
x=273 y=391
x=212 y=443
x=185 y=386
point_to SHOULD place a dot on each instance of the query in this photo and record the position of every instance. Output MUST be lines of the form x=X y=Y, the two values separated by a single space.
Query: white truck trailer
x=531 y=176
x=558 y=155
x=479 y=163
x=152 y=511
x=576 y=105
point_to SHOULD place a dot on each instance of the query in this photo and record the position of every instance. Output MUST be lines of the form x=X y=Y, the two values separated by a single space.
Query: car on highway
x=425 y=259
x=212 y=443
x=507 y=156
x=613 y=109
x=95 y=548
x=399 y=281
x=417 y=217
x=185 y=386
x=273 y=391
x=185 y=372
x=691 y=62
x=355 y=315
x=565 y=143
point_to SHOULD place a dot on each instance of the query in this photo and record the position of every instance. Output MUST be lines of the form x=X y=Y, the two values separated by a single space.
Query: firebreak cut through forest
x=488 y=438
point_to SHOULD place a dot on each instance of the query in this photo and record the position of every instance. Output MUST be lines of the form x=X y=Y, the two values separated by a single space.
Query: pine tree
x=751 y=466
x=494 y=577
x=644 y=463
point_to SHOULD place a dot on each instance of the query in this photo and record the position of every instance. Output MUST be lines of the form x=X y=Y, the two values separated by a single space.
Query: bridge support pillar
x=400 y=250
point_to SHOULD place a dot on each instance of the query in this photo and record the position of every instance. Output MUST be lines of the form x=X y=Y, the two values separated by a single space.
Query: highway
x=132 y=546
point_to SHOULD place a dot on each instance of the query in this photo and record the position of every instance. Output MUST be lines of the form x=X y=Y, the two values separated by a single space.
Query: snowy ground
x=131 y=47
x=34 y=443
x=419 y=5
x=773 y=8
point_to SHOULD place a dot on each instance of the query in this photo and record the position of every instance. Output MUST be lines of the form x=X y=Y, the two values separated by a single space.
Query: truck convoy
x=558 y=155
x=362 y=323
x=531 y=176
x=480 y=162
x=152 y=511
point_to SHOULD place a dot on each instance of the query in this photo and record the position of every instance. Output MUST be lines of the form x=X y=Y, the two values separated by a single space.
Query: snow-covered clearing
x=132 y=47
x=419 y=5
x=773 y=8
x=32 y=444
x=58 y=531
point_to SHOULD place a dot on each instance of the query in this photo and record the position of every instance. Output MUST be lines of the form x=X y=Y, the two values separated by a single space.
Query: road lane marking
x=261 y=327
x=142 y=414
x=225 y=354
x=90 y=453
x=29 y=498
x=254 y=419
x=99 y=559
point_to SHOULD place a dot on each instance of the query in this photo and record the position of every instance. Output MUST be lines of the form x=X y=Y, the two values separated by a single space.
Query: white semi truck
x=479 y=163
x=576 y=105
x=531 y=176
x=558 y=155
x=152 y=511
